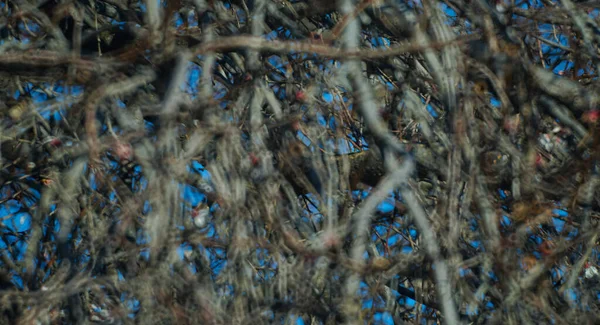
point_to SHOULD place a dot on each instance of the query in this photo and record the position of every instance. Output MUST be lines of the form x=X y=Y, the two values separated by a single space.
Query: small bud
x=253 y=159
x=56 y=142
x=529 y=262
x=591 y=272
x=546 y=248
x=511 y=124
x=124 y=151
x=591 y=116
x=301 y=96
x=501 y=7
x=30 y=165
x=539 y=160
x=480 y=87
x=188 y=254
x=17 y=111
x=200 y=216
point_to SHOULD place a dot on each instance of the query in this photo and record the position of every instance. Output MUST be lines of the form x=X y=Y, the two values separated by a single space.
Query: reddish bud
x=511 y=124
x=55 y=142
x=295 y=125
x=124 y=151
x=591 y=116
x=539 y=160
x=301 y=96
x=546 y=248
x=253 y=159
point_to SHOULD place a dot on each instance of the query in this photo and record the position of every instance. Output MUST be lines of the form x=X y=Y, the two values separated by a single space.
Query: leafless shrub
x=192 y=162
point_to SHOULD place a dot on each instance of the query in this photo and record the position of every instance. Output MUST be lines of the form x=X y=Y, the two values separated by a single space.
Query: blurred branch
x=260 y=44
